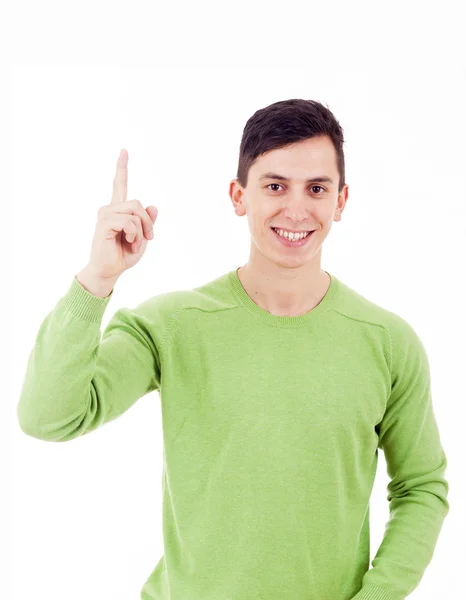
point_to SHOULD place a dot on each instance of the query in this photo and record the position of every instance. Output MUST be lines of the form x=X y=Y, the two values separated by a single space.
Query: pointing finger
x=120 y=182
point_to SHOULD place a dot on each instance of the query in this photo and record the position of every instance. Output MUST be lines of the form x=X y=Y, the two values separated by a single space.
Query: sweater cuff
x=85 y=305
x=374 y=592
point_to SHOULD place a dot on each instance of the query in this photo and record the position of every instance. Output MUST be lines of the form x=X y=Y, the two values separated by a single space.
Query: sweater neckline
x=284 y=321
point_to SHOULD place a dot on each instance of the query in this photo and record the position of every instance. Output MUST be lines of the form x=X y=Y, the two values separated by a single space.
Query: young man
x=278 y=383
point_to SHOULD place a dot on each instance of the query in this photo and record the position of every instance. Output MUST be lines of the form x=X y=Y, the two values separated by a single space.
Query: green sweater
x=272 y=427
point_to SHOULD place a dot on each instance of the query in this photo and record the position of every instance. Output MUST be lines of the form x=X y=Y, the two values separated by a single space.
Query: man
x=278 y=386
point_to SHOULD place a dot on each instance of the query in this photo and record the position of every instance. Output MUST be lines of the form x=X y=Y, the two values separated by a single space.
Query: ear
x=236 y=193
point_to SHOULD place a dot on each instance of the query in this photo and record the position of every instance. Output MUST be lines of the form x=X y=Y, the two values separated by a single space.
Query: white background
x=176 y=90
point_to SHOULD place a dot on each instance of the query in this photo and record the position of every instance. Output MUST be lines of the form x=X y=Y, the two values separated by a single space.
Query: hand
x=122 y=231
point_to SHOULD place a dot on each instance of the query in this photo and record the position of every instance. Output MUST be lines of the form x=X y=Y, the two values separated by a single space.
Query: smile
x=292 y=243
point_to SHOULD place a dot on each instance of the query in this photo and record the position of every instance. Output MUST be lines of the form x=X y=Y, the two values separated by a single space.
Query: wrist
x=95 y=285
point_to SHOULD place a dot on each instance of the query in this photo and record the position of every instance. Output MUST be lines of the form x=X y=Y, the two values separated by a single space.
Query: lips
x=285 y=229
x=292 y=243
x=277 y=229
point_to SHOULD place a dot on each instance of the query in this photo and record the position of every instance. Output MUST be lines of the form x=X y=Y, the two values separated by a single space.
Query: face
x=301 y=203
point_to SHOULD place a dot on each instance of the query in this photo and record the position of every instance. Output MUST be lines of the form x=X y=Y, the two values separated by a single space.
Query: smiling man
x=279 y=384
x=290 y=212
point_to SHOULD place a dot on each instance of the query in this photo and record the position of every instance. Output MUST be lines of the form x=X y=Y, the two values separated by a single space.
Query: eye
x=312 y=187
x=318 y=186
x=272 y=184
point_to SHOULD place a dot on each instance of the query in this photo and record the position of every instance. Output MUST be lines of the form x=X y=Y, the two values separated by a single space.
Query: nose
x=297 y=207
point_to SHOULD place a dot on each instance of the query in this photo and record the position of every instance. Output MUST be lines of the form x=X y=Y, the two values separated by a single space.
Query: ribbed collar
x=283 y=321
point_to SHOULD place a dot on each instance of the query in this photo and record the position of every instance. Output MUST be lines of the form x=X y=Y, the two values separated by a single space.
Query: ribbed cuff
x=374 y=592
x=85 y=305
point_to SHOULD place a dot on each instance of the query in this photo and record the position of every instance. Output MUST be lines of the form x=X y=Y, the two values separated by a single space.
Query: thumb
x=152 y=211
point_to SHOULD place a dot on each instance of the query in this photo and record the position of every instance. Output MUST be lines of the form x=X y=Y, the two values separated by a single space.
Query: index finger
x=120 y=182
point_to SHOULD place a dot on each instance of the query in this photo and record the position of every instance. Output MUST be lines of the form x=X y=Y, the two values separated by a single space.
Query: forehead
x=299 y=160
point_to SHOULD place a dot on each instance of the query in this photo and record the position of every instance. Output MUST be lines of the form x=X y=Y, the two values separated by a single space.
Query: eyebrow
x=318 y=178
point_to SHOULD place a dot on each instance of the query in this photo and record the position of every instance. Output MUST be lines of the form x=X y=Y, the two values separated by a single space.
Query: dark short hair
x=286 y=122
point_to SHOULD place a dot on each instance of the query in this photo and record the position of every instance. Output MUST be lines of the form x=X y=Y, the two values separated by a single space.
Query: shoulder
x=401 y=336
x=208 y=297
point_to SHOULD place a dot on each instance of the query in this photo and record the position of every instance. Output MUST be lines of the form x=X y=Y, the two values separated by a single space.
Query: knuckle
x=140 y=216
x=142 y=213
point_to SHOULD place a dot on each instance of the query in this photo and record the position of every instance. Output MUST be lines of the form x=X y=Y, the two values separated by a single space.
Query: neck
x=284 y=291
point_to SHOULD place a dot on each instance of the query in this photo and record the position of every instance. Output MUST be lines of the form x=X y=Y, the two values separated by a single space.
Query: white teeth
x=291 y=236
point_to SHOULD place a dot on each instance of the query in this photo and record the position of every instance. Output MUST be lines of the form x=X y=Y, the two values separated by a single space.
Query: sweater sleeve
x=76 y=382
x=416 y=465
